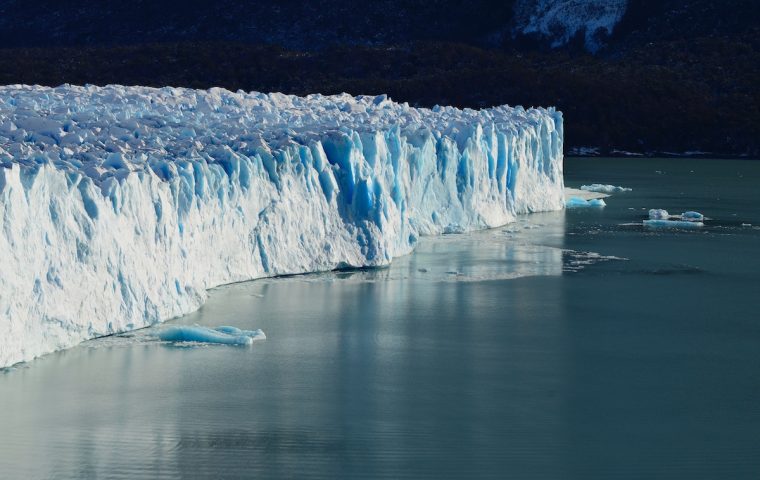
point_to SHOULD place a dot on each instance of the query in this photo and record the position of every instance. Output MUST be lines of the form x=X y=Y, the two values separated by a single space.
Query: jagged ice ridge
x=120 y=206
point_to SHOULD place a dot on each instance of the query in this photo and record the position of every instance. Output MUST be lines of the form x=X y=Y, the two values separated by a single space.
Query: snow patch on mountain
x=558 y=21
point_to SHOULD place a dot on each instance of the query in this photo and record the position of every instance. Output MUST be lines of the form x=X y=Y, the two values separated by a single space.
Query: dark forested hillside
x=673 y=76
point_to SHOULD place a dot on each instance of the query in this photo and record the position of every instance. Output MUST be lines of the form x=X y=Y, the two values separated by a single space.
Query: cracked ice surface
x=120 y=205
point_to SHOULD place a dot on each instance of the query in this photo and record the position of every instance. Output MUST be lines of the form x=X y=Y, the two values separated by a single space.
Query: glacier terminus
x=120 y=206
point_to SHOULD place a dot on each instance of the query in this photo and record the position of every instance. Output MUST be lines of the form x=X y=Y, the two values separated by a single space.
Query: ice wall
x=120 y=206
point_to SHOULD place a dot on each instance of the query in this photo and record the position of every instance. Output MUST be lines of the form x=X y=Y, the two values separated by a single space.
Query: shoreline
x=574 y=153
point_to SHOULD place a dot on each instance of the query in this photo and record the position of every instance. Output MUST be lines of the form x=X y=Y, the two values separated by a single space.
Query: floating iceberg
x=673 y=224
x=578 y=202
x=120 y=206
x=692 y=216
x=659 y=218
x=257 y=334
x=599 y=188
x=220 y=335
x=658 y=214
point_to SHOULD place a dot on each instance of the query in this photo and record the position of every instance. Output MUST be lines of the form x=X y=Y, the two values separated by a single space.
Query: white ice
x=658 y=214
x=120 y=206
x=662 y=215
x=600 y=188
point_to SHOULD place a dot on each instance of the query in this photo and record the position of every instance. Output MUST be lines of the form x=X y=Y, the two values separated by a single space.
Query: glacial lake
x=573 y=344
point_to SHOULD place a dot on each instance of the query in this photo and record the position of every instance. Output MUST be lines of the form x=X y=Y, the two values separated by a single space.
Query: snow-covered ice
x=600 y=188
x=659 y=218
x=120 y=206
x=658 y=214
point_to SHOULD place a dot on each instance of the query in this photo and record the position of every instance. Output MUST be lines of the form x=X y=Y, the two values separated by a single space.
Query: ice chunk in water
x=692 y=216
x=659 y=223
x=200 y=334
x=600 y=188
x=578 y=202
x=658 y=214
x=254 y=334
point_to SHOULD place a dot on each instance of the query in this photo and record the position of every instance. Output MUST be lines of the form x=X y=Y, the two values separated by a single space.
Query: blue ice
x=578 y=202
x=672 y=224
x=691 y=216
x=221 y=335
x=254 y=334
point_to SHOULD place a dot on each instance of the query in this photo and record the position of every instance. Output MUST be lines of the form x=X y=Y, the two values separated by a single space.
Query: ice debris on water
x=575 y=261
x=659 y=218
x=220 y=335
x=658 y=214
x=152 y=196
x=578 y=202
x=600 y=188
x=691 y=216
x=673 y=224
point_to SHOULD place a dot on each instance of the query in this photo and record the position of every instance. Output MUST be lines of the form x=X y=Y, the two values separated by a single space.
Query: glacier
x=120 y=206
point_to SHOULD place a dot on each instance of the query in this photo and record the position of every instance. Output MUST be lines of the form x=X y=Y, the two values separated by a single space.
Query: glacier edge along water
x=122 y=205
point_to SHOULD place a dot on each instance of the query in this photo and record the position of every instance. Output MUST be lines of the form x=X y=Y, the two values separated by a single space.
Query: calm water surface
x=567 y=345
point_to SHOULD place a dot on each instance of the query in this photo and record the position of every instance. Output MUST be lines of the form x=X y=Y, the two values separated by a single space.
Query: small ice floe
x=692 y=216
x=584 y=151
x=221 y=335
x=601 y=188
x=658 y=214
x=575 y=261
x=578 y=202
x=584 y=194
x=659 y=218
x=746 y=225
x=664 y=223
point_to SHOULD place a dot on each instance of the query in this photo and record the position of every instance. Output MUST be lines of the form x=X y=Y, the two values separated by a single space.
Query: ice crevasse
x=120 y=206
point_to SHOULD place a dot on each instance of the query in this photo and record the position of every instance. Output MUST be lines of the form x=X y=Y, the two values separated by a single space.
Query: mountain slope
x=673 y=76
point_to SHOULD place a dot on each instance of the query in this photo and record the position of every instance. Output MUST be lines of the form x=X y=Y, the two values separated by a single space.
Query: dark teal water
x=513 y=353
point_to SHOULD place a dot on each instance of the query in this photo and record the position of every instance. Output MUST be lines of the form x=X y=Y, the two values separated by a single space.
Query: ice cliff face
x=120 y=206
x=561 y=20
